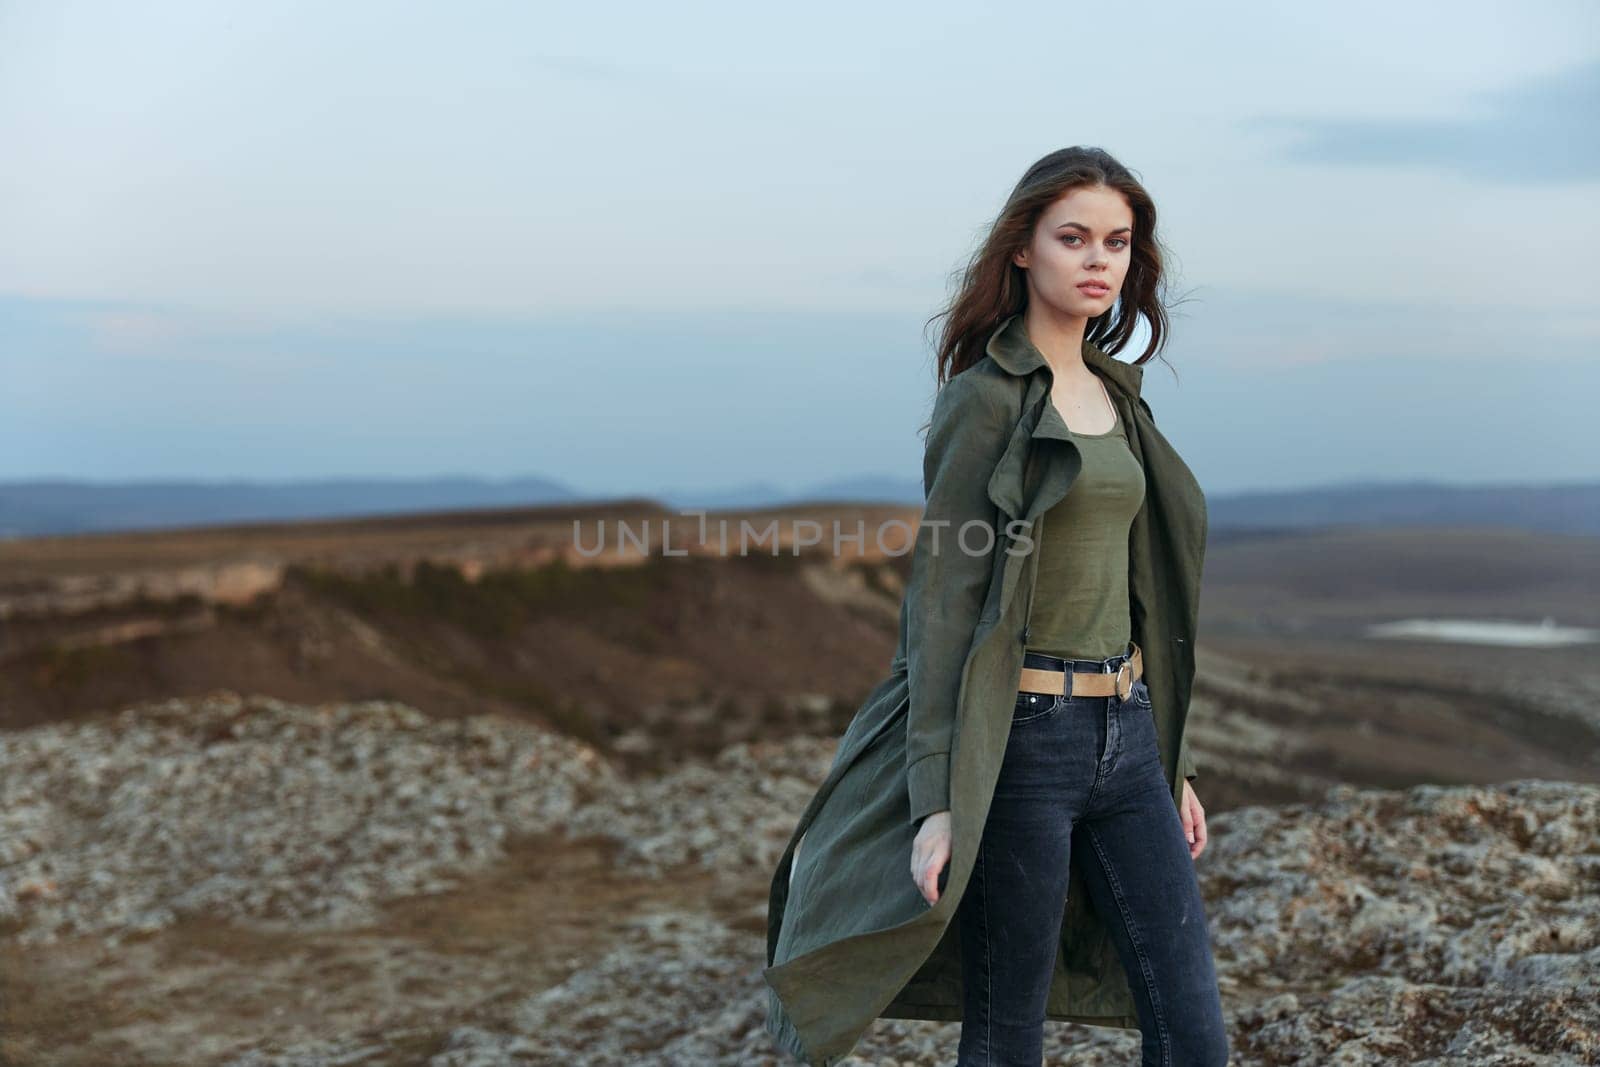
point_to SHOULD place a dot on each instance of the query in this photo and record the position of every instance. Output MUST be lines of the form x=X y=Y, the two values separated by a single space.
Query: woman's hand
x=1194 y=821
x=930 y=851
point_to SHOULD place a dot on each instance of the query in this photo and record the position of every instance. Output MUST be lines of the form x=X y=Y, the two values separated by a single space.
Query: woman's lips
x=1094 y=289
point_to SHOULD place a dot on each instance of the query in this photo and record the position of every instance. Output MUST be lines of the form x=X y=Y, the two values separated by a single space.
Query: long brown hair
x=993 y=288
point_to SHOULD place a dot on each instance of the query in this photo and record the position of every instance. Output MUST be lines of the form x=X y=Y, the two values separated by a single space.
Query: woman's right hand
x=930 y=851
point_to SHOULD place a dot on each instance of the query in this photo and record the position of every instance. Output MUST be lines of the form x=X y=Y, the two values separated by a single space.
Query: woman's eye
x=1119 y=242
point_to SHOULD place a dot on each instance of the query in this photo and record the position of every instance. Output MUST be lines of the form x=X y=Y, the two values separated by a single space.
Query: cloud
x=1541 y=132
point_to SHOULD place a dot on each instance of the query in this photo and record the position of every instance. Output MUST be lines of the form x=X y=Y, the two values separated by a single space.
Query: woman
x=1027 y=751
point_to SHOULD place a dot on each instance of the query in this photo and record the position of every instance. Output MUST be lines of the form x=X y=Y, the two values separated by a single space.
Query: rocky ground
x=249 y=882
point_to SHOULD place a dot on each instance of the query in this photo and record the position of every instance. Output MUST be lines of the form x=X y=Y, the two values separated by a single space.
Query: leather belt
x=1085 y=683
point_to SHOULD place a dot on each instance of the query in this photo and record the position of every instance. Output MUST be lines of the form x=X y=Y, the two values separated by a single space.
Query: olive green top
x=1080 y=604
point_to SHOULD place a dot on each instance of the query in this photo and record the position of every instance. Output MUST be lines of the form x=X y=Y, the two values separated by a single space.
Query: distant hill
x=42 y=508
x=1570 y=509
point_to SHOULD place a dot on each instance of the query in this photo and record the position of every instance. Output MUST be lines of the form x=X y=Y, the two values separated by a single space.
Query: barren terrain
x=441 y=791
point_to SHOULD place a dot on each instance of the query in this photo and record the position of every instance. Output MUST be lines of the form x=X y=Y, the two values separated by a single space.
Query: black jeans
x=1082 y=783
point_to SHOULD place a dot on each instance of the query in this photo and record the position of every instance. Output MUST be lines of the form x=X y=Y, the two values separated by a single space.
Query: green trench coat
x=849 y=937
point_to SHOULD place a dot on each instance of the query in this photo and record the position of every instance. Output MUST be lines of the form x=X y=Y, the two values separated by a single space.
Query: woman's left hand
x=1194 y=821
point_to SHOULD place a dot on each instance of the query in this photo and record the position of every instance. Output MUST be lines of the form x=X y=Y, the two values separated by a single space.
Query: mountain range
x=40 y=508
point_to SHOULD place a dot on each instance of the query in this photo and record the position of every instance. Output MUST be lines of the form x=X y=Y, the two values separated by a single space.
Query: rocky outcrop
x=253 y=809
x=1430 y=925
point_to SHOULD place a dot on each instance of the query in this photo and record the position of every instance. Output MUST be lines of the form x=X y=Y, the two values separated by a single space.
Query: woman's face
x=1080 y=252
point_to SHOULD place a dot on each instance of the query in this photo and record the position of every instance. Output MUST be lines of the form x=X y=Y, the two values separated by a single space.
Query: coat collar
x=1016 y=354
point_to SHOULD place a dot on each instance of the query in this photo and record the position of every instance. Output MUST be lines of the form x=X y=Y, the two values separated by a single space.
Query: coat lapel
x=1038 y=420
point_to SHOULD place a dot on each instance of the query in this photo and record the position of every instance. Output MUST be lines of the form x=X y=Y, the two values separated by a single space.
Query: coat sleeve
x=1186 y=761
x=966 y=438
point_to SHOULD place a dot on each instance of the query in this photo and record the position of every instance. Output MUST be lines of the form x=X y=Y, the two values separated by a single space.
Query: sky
x=639 y=247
